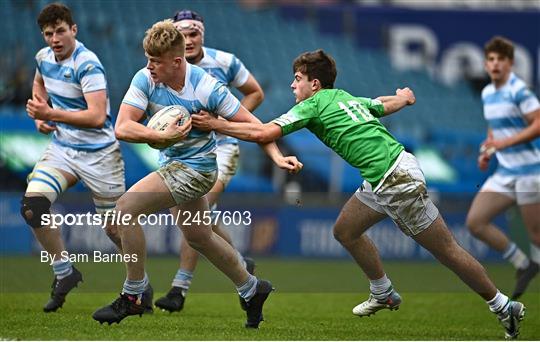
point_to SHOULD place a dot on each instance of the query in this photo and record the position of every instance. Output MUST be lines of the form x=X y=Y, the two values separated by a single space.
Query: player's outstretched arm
x=404 y=97
x=249 y=128
x=243 y=125
x=128 y=128
x=267 y=138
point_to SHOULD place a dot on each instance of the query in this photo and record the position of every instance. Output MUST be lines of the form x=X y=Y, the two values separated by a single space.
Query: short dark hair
x=53 y=14
x=500 y=45
x=317 y=65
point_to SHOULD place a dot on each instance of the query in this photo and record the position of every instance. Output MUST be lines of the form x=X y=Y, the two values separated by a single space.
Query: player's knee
x=113 y=234
x=533 y=229
x=33 y=210
x=338 y=235
x=124 y=207
x=475 y=224
x=343 y=235
x=535 y=238
x=536 y=241
x=196 y=244
x=197 y=241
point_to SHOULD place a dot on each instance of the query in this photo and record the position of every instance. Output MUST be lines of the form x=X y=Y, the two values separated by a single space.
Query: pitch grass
x=313 y=301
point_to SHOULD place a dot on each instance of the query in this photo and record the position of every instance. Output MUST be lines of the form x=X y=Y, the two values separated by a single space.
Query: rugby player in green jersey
x=394 y=184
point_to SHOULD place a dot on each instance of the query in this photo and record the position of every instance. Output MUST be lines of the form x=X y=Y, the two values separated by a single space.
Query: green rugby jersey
x=349 y=126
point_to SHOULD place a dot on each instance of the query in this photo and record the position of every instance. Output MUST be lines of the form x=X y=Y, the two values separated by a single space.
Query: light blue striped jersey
x=504 y=110
x=66 y=83
x=200 y=92
x=227 y=69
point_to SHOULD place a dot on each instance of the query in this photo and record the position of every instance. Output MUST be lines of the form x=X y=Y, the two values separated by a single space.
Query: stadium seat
x=267 y=50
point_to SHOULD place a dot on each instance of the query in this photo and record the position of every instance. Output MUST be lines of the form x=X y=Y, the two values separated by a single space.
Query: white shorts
x=227 y=161
x=522 y=189
x=402 y=196
x=101 y=171
x=184 y=183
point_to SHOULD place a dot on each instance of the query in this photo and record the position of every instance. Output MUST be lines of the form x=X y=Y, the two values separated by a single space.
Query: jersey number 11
x=363 y=112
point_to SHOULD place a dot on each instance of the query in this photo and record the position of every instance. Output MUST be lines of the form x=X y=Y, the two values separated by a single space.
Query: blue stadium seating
x=267 y=41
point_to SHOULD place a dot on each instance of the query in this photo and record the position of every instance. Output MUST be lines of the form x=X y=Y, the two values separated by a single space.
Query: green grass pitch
x=313 y=301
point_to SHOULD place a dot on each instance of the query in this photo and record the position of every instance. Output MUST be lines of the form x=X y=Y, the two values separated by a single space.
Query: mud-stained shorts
x=402 y=196
x=184 y=183
x=227 y=161
x=523 y=189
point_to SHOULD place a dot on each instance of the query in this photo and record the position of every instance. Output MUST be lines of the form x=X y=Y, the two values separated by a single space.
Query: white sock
x=516 y=256
x=182 y=279
x=535 y=253
x=380 y=287
x=248 y=289
x=499 y=303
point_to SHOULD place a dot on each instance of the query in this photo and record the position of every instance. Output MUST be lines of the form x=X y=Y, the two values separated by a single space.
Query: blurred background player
x=394 y=184
x=188 y=169
x=83 y=145
x=513 y=115
x=229 y=70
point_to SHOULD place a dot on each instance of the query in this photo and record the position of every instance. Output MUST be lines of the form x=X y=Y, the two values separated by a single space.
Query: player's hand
x=483 y=161
x=486 y=151
x=44 y=126
x=174 y=133
x=290 y=164
x=204 y=121
x=38 y=109
x=408 y=94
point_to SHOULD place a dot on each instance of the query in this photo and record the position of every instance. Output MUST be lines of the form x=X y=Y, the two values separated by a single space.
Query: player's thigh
x=495 y=197
x=102 y=172
x=531 y=218
x=147 y=196
x=437 y=238
x=214 y=193
x=52 y=174
x=528 y=200
x=356 y=216
x=195 y=229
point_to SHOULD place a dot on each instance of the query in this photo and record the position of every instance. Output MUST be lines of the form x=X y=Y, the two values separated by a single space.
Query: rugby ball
x=165 y=117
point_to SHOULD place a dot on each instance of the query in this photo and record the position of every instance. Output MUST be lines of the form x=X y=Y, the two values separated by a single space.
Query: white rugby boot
x=372 y=305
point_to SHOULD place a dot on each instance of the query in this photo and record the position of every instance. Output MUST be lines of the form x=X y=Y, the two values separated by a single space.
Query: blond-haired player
x=229 y=70
x=188 y=168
